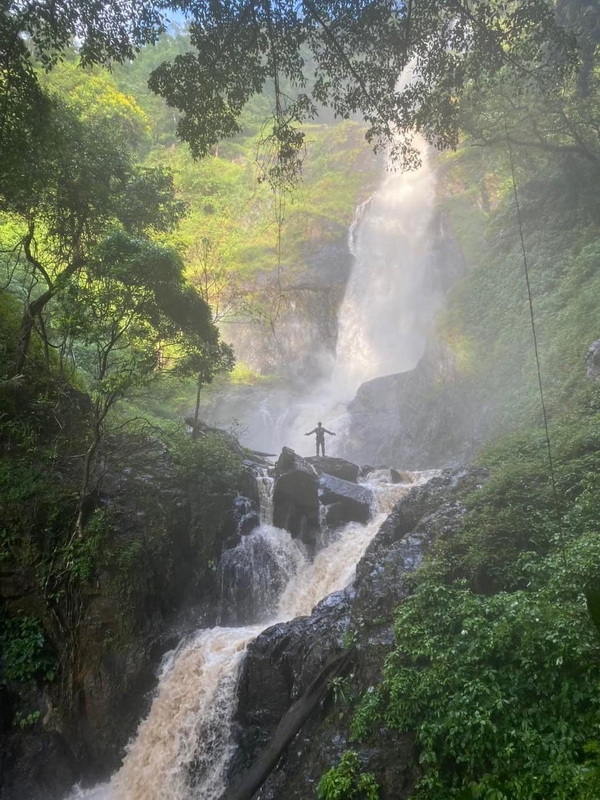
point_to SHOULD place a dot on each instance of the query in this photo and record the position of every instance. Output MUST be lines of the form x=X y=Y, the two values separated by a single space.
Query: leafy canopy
x=348 y=56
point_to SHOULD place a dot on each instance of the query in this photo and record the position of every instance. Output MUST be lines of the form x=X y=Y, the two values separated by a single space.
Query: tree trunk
x=291 y=722
x=85 y=493
x=197 y=410
x=32 y=311
x=85 y=485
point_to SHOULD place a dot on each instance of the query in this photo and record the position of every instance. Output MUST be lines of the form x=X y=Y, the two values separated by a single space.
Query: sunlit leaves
x=127 y=309
x=105 y=31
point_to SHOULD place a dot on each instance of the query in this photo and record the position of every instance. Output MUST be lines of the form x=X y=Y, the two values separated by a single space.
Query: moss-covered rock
x=86 y=619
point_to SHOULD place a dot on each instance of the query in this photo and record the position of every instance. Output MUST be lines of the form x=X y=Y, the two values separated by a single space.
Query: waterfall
x=254 y=574
x=182 y=749
x=385 y=318
x=390 y=299
x=195 y=702
x=389 y=305
x=265 y=497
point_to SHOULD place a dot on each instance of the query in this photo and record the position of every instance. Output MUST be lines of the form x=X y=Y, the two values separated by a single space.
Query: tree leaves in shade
x=348 y=56
x=592 y=597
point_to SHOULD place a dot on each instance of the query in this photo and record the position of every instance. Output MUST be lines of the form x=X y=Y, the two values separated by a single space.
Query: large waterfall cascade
x=384 y=321
x=182 y=748
x=390 y=299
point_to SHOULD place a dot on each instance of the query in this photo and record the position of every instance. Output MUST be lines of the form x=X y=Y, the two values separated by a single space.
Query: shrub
x=347 y=782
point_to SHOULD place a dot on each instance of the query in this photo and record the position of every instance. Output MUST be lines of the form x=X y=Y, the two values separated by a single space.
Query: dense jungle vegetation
x=121 y=254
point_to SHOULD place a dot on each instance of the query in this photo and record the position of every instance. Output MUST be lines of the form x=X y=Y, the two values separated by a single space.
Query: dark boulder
x=245 y=514
x=36 y=765
x=426 y=418
x=339 y=514
x=279 y=666
x=352 y=502
x=296 y=497
x=393 y=475
x=253 y=575
x=401 y=476
x=338 y=467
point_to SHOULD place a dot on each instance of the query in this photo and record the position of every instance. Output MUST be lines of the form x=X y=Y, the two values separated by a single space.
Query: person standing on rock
x=320 y=431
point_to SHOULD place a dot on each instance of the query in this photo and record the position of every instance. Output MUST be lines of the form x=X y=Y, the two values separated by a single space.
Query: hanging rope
x=535 y=340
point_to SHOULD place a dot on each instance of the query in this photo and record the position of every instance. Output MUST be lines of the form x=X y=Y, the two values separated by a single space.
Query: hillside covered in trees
x=175 y=205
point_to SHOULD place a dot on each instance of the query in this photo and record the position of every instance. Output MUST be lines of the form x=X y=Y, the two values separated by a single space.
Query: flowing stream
x=182 y=748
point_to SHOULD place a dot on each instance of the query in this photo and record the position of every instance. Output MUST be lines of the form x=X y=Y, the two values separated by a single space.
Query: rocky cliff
x=426 y=418
x=152 y=545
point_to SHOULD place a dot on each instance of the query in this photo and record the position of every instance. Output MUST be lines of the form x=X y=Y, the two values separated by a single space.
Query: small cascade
x=195 y=702
x=254 y=574
x=265 y=496
x=332 y=569
x=334 y=566
x=183 y=747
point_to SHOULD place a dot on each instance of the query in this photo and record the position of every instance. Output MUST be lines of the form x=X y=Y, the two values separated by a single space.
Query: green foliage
x=25 y=654
x=132 y=302
x=132 y=78
x=515 y=515
x=591 y=771
x=339 y=687
x=96 y=100
x=212 y=459
x=83 y=555
x=348 y=58
x=496 y=665
x=237 y=219
x=502 y=690
x=23 y=720
x=32 y=503
x=347 y=781
x=487 y=325
x=106 y=31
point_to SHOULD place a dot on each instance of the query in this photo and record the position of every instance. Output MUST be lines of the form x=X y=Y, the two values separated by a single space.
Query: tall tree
x=105 y=31
x=127 y=309
x=68 y=192
x=348 y=55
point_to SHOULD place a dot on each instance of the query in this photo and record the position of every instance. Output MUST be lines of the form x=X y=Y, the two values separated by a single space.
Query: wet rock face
x=352 y=502
x=245 y=515
x=295 y=497
x=279 y=666
x=253 y=575
x=282 y=661
x=338 y=467
x=36 y=766
x=174 y=530
x=339 y=514
x=592 y=361
x=425 y=418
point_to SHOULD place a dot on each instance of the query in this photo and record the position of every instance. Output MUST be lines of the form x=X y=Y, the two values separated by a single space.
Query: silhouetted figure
x=320 y=431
